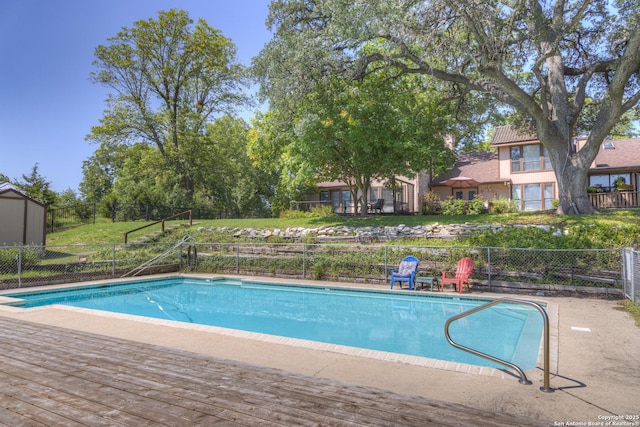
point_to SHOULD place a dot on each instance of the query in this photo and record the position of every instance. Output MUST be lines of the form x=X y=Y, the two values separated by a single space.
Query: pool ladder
x=191 y=257
x=523 y=377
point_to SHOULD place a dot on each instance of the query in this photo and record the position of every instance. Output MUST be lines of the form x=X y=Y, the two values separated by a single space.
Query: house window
x=335 y=201
x=515 y=195
x=346 y=201
x=515 y=159
x=459 y=195
x=549 y=195
x=472 y=194
x=386 y=194
x=324 y=198
x=533 y=197
x=546 y=160
x=532 y=157
x=607 y=182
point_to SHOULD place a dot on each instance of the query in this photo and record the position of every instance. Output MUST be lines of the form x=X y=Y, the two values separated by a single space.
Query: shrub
x=503 y=205
x=322 y=212
x=430 y=203
x=28 y=255
x=476 y=206
x=315 y=212
x=453 y=206
x=292 y=214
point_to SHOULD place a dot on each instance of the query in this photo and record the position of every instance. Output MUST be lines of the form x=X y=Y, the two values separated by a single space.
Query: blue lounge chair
x=406 y=272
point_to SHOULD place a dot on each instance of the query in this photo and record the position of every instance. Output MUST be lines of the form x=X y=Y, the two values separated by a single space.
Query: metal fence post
x=634 y=277
x=631 y=265
x=489 y=266
x=386 y=263
x=181 y=258
x=237 y=258
x=629 y=268
x=19 y=266
x=304 y=261
x=113 y=261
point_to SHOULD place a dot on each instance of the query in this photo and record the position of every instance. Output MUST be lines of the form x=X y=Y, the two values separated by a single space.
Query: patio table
x=424 y=279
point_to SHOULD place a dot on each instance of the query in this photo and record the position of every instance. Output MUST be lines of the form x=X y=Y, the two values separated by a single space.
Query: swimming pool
x=389 y=321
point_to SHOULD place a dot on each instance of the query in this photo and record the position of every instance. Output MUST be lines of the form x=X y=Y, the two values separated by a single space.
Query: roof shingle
x=483 y=166
x=508 y=135
x=624 y=153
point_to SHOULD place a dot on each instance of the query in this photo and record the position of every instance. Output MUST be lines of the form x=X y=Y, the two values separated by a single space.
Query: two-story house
x=519 y=168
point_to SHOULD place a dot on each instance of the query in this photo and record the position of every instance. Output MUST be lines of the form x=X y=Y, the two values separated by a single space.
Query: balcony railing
x=616 y=199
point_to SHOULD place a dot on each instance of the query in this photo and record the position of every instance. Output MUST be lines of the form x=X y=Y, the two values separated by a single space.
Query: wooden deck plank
x=304 y=401
x=301 y=392
x=97 y=380
x=169 y=393
x=20 y=411
x=253 y=401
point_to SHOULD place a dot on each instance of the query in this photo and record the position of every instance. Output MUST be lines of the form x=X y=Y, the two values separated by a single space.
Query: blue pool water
x=407 y=323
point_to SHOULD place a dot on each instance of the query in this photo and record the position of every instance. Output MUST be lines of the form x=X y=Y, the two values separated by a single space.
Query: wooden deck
x=50 y=376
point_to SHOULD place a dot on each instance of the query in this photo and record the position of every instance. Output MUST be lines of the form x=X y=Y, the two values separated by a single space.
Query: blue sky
x=47 y=103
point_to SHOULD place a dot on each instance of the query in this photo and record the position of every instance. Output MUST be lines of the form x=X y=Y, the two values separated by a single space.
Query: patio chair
x=406 y=272
x=377 y=206
x=460 y=276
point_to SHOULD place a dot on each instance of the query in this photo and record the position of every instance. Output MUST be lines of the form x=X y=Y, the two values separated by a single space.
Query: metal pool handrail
x=523 y=378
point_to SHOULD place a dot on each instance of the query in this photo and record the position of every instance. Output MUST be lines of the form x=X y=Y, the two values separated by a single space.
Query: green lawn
x=104 y=231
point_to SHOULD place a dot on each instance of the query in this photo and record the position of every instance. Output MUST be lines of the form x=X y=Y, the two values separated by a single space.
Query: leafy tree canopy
x=378 y=128
x=168 y=79
x=542 y=58
x=37 y=187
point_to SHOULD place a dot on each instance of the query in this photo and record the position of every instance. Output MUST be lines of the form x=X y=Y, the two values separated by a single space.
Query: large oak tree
x=545 y=59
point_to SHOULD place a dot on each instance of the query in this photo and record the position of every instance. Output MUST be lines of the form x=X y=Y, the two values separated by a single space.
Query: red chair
x=462 y=274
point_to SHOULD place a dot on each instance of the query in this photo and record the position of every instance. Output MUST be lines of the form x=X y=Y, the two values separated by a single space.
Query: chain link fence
x=601 y=273
x=27 y=266
x=631 y=268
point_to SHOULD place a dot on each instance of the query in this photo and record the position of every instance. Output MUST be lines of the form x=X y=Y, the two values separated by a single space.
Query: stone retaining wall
x=337 y=233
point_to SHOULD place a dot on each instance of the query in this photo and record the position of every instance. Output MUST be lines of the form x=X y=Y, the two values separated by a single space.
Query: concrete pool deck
x=596 y=376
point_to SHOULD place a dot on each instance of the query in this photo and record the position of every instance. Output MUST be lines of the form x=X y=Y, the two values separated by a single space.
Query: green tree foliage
x=100 y=171
x=544 y=59
x=67 y=197
x=377 y=128
x=229 y=180
x=143 y=178
x=36 y=186
x=225 y=181
x=272 y=150
x=168 y=78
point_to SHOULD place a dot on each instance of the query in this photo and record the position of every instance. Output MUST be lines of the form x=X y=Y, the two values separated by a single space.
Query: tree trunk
x=572 y=174
x=571 y=167
x=572 y=189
